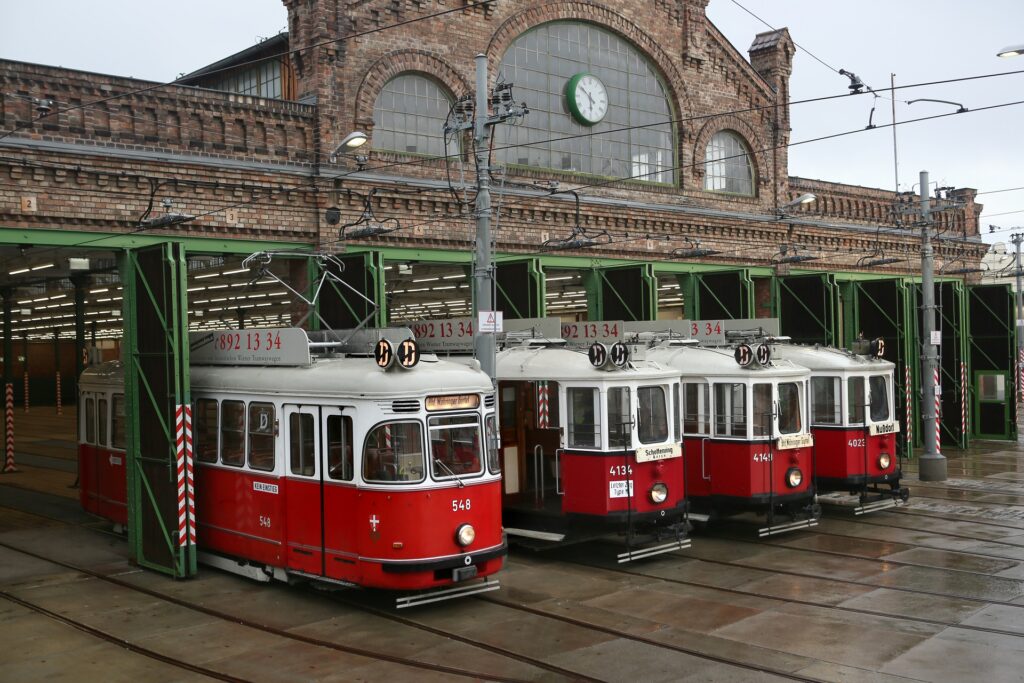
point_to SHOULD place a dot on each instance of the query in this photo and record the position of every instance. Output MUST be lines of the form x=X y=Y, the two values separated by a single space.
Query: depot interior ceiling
x=222 y=292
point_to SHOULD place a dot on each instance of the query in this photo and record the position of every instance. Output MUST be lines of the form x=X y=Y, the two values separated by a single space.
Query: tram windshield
x=825 y=401
x=731 y=410
x=455 y=445
x=651 y=415
x=620 y=424
x=393 y=452
x=855 y=400
x=790 y=409
x=583 y=411
x=879 y=386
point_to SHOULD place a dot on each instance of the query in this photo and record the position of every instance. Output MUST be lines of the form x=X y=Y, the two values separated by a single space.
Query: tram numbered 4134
x=330 y=465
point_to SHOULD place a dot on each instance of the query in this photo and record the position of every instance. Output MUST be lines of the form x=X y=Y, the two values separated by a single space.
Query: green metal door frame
x=532 y=302
x=338 y=306
x=161 y=521
x=991 y=346
x=598 y=282
x=695 y=287
x=978 y=400
x=826 y=320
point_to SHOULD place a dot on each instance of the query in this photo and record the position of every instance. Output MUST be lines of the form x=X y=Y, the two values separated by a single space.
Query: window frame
x=724 y=162
x=364 y=459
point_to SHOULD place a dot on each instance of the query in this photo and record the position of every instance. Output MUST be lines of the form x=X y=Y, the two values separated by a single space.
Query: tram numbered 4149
x=330 y=464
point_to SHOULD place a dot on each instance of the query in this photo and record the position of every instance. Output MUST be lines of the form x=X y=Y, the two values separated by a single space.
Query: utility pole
x=1019 y=333
x=483 y=270
x=483 y=275
x=933 y=464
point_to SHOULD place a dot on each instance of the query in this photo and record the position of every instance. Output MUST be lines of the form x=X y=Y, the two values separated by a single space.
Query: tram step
x=417 y=599
x=641 y=553
x=533 y=533
x=883 y=504
x=783 y=528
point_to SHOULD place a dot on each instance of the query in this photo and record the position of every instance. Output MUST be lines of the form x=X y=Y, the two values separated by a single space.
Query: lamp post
x=933 y=464
x=1019 y=334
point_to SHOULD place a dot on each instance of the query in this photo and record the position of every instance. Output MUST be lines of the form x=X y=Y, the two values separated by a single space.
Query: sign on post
x=491 y=322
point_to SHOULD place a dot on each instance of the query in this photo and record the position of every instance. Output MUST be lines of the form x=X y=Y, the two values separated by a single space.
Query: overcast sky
x=918 y=40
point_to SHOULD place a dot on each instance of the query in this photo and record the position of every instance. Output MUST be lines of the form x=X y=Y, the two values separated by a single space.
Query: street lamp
x=805 y=198
x=1011 y=51
x=349 y=144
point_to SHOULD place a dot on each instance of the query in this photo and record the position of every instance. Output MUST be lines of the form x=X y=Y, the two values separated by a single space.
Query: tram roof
x=823 y=358
x=343 y=376
x=567 y=364
x=698 y=361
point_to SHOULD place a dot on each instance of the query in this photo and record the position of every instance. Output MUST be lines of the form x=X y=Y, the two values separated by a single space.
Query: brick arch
x=730 y=122
x=582 y=10
x=399 y=62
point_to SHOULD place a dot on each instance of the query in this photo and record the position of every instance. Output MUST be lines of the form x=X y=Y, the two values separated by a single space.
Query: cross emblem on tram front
x=374 y=522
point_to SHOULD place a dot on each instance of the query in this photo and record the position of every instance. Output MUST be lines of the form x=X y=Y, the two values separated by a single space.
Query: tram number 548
x=462 y=504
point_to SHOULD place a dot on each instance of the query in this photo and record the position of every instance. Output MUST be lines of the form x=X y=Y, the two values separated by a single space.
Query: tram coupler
x=654 y=544
x=812 y=512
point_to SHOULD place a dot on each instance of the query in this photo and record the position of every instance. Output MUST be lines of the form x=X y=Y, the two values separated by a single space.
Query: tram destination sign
x=666 y=452
x=255 y=346
x=787 y=441
x=884 y=428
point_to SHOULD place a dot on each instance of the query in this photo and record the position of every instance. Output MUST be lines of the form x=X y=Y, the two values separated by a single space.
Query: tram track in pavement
x=370 y=655
x=820 y=604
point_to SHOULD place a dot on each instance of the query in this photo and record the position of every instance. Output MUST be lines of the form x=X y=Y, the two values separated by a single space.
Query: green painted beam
x=106 y=240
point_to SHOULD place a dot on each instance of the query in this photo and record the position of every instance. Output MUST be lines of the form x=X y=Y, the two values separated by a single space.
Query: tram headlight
x=884 y=460
x=794 y=477
x=658 y=493
x=465 y=535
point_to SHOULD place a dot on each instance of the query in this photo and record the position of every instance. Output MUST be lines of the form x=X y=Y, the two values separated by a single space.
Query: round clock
x=587 y=98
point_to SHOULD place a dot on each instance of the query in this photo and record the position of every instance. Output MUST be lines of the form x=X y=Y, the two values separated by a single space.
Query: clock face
x=587 y=98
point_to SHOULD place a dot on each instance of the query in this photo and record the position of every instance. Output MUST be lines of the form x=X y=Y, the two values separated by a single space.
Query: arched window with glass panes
x=409 y=116
x=727 y=166
x=597 y=105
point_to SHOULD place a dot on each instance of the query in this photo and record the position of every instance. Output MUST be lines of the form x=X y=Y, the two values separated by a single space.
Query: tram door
x=529 y=439
x=304 y=489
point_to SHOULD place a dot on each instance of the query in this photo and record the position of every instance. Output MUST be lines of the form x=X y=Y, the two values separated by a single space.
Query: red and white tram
x=333 y=469
x=590 y=446
x=853 y=421
x=745 y=432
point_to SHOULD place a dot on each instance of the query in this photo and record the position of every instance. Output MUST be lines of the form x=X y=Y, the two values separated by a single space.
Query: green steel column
x=595 y=299
x=377 y=289
x=850 y=313
x=688 y=286
x=80 y=284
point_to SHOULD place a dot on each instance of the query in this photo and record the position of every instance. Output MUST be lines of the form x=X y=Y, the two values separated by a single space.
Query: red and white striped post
x=543 y=412
x=9 y=422
x=59 y=409
x=909 y=403
x=963 y=402
x=186 y=488
x=26 y=390
x=1020 y=376
x=938 y=414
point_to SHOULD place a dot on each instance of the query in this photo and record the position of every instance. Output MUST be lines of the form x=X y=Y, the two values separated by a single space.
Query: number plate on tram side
x=620 y=489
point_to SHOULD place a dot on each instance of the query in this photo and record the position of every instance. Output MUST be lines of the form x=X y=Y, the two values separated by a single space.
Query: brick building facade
x=258 y=168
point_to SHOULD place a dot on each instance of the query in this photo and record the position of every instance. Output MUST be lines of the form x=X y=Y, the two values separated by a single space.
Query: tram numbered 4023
x=854 y=422
x=325 y=466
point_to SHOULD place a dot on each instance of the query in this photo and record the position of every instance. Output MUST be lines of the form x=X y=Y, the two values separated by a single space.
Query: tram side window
x=206 y=430
x=394 y=453
x=825 y=401
x=584 y=428
x=90 y=420
x=696 y=408
x=730 y=410
x=620 y=425
x=790 y=410
x=101 y=421
x=762 y=413
x=117 y=439
x=651 y=415
x=232 y=433
x=855 y=400
x=879 y=398
x=301 y=449
x=491 y=433
x=339 y=448
x=455 y=446
x=261 y=436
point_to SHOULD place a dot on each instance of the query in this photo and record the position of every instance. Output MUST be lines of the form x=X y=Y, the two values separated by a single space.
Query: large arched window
x=409 y=116
x=602 y=137
x=727 y=166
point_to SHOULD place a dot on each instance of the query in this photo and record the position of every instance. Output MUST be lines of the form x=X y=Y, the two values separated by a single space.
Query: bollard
x=938 y=412
x=9 y=409
x=26 y=390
